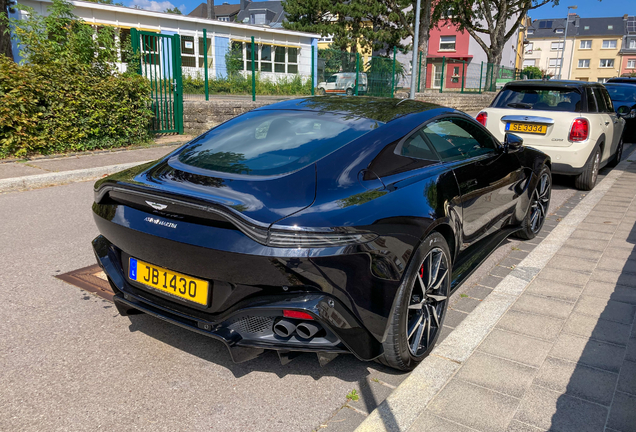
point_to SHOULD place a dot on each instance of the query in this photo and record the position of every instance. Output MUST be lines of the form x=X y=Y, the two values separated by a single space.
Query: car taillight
x=580 y=130
x=482 y=118
x=296 y=314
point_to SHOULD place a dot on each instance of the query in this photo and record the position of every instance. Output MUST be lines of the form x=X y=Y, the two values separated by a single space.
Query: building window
x=555 y=62
x=279 y=59
x=559 y=31
x=258 y=18
x=584 y=63
x=583 y=79
x=202 y=52
x=326 y=39
x=632 y=44
x=610 y=27
x=586 y=27
x=530 y=31
x=556 y=46
x=292 y=60
x=447 y=43
x=602 y=80
x=607 y=63
x=187 y=52
x=530 y=62
x=266 y=58
x=529 y=46
x=224 y=18
x=586 y=44
x=545 y=24
x=631 y=64
x=609 y=44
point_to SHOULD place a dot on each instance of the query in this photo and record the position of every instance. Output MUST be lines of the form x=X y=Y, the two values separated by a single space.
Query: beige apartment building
x=590 y=53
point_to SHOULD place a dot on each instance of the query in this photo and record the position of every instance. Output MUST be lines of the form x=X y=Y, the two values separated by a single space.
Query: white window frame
x=526 y=62
x=608 y=61
x=609 y=43
x=558 y=44
x=584 y=64
x=530 y=31
x=631 y=64
x=224 y=19
x=447 y=42
x=559 y=31
x=585 y=44
x=632 y=44
x=557 y=62
x=603 y=80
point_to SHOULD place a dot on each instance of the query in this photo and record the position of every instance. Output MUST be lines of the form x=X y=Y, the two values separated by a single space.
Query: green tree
x=532 y=72
x=234 y=60
x=488 y=21
x=173 y=10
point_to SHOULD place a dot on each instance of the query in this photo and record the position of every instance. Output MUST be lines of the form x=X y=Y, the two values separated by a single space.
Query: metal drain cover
x=91 y=279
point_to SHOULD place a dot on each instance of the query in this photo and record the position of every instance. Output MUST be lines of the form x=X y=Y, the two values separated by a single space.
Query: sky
x=586 y=8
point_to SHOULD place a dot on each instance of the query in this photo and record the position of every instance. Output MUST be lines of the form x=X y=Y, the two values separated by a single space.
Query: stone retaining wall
x=200 y=116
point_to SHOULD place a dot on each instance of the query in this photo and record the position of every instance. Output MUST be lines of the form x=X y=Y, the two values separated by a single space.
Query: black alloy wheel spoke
x=426 y=304
x=540 y=202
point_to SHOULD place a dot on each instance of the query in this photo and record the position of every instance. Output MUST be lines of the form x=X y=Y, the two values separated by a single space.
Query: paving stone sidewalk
x=563 y=357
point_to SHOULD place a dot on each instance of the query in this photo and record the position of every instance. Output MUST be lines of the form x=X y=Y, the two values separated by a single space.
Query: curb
x=58 y=178
x=400 y=409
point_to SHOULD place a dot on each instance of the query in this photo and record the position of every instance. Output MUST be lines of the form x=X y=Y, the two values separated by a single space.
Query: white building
x=279 y=52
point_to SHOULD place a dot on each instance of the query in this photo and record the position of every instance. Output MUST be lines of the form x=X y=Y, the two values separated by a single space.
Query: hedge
x=62 y=107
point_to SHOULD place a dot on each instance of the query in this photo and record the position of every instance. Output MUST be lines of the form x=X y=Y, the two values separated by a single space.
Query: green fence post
x=176 y=50
x=134 y=42
x=441 y=81
x=253 y=73
x=205 y=62
x=393 y=75
x=481 y=72
x=463 y=74
x=419 y=74
x=357 y=73
x=312 y=69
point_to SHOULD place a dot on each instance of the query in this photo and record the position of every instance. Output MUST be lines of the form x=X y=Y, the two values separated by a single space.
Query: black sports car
x=329 y=225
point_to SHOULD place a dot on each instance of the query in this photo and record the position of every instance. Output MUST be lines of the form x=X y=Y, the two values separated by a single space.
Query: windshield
x=545 y=99
x=332 y=79
x=270 y=142
x=622 y=93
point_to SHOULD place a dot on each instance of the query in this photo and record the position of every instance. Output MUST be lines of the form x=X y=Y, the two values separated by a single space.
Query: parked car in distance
x=622 y=80
x=624 y=95
x=327 y=225
x=344 y=83
x=572 y=121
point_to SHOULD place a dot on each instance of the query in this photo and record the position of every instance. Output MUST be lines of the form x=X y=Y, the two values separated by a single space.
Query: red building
x=448 y=43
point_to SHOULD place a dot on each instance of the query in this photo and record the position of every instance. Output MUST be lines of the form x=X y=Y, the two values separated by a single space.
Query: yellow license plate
x=176 y=284
x=527 y=128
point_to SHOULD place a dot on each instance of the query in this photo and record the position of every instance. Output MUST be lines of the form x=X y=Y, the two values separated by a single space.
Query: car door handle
x=470 y=183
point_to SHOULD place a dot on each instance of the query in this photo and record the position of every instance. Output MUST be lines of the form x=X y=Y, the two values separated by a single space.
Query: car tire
x=538 y=207
x=321 y=91
x=420 y=307
x=587 y=179
x=349 y=92
x=617 y=155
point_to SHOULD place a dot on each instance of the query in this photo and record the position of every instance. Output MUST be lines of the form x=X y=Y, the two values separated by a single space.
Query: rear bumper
x=569 y=160
x=246 y=328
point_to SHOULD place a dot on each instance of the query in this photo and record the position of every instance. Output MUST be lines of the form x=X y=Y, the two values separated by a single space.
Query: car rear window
x=543 y=99
x=622 y=93
x=270 y=142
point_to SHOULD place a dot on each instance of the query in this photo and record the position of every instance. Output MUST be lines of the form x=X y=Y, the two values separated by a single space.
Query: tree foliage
x=491 y=22
x=173 y=10
x=6 y=6
x=67 y=95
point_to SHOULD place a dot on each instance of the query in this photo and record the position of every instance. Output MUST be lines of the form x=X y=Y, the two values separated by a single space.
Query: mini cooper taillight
x=482 y=117
x=580 y=130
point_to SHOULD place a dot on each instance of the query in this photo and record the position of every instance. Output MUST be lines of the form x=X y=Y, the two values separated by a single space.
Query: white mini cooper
x=574 y=122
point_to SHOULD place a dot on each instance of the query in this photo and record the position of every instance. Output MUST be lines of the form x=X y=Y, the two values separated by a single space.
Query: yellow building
x=521 y=41
x=596 y=47
x=365 y=53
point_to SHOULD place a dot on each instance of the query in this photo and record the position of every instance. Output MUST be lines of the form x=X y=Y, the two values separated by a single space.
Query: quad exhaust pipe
x=284 y=328
x=307 y=330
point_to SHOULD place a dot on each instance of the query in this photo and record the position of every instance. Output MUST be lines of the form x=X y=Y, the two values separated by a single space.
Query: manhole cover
x=91 y=279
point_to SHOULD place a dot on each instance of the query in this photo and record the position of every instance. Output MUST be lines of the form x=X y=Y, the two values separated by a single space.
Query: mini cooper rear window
x=269 y=142
x=541 y=99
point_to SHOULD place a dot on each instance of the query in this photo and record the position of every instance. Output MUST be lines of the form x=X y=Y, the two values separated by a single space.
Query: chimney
x=244 y=4
x=211 y=14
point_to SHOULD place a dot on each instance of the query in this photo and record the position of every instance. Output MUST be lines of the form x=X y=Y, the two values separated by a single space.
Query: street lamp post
x=565 y=38
x=416 y=43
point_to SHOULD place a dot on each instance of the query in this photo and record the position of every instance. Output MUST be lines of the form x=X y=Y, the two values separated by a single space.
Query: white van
x=343 y=83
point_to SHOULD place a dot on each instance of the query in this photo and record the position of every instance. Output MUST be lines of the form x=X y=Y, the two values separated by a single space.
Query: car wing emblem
x=156 y=206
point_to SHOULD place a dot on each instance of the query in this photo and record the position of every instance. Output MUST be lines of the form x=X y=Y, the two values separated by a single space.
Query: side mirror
x=623 y=111
x=512 y=143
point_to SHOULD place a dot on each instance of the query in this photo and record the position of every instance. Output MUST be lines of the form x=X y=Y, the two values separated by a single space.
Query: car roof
x=622 y=80
x=379 y=109
x=552 y=83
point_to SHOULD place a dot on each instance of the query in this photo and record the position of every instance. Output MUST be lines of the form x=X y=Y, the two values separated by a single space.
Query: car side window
x=416 y=147
x=600 y=100
x=455 y=138
x=591 y=102
x=608 y=100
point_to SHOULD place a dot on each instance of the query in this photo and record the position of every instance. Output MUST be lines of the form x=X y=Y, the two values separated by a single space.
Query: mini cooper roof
x=552 y=83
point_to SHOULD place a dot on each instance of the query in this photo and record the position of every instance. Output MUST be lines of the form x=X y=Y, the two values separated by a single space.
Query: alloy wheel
x=540 y=203
x=597 y=162
x=427 y=302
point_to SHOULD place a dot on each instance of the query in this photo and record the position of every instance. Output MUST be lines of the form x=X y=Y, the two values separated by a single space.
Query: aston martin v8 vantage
x=328 y=225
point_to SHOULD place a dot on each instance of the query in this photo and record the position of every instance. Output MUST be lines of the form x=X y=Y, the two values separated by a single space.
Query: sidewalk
x=553 y=347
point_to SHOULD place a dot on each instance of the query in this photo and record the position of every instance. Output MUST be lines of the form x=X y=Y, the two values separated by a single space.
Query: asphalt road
x=68 y=361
